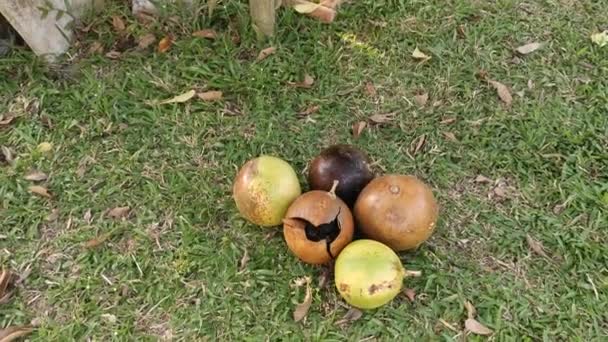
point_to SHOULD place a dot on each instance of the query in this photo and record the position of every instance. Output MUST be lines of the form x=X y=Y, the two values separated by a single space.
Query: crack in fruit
x=325 y=231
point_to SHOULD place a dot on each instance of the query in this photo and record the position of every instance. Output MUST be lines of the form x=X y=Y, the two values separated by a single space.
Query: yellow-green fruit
x=368 y=274
x=264 y=188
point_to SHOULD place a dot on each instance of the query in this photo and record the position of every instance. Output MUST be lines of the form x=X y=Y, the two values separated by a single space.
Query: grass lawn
x=505 y=176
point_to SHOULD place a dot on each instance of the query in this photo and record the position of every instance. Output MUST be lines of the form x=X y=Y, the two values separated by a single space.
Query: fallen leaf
x=601 y=39
x=302 y=309
x=118 y=24
x=421 y=99
x=382 y=118
x=206 y=33
x=114 y=54
x=97 y=241
x=6 y=155
x=306 y=83
x=212 y=95
x=447 y=121
x=417 y=54
x=299 y=282
x=35 y=176
x=54 y=215
x=530 y=84
x=244 y=260
x=165 y=44
x=180 y=98
x=448 y=325
x=232 y=109
x=499 y=191
x=559 y=208
x=471 y=311
x=536 y=246
x=39 y=190
x=44 y=147
x=528 y=48
x=110 y=318
x=370 y=89
x=306 y=7
x=145 y=41
x=482 y=179
x=88 y=216
x=461 y=32
x=5 y=282
x=265 y=53
x=450 y=136
x=46 y=121
x=119 y=212
x=503 y=92
x=6 y=119
x=13 y=333
x=358 y=128
x=410 y=294
x=351 y=315
x=324 y=277
x=419 y=143
x=476 y=328
x=308 y=111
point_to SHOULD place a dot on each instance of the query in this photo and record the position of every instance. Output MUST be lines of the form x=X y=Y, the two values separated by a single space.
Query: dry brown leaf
x=181 y=98
x=477 y=328
x=13 y=333
x=419 y=143
x=528 y=48
x=5 y=282
x=6 y=156
x=358 y=128
x=410 y=294
x=382 y=118
x=39 y=190
x=351 y=315
x=370 y=89
x=88 y=216
x=114 y=54
x=165 y=44
x=450 y=136
x=302 y=309
x=266 y=52
x=35 y=176
x=46 y=121
x=212 y=95
x=206 y=33
x=447 y=121
x=309 y=110
x=482 y=179
x=448 y=325
x=503 y=92
x=421 y=99
x=306 y=83
x=6 y=119
x=118 y=24
x=536 y=246
x=306 y=7
x=417 y=54
x=244 y=260
x=145 y=41
x=119 y=212
x=471 y=311
x=97 y=241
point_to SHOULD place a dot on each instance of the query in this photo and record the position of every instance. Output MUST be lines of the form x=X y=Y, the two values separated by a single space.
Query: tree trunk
x=263 y=17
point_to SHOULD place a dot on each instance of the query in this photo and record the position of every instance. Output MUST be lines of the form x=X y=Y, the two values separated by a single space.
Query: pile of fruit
x=387 y=213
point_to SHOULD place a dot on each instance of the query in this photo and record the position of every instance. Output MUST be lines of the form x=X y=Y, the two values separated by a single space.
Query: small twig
x=413 y=273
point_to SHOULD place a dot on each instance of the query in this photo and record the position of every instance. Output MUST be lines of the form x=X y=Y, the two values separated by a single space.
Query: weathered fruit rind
x=397 y=210
x=368 y=274
x=264 y=188
x=317 y=207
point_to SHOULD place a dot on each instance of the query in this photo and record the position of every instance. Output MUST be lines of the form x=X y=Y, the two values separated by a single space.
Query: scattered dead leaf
x=370 y=89
x=471 y=311
x=6 y=119
x=232 y=109
x=450 y=136
x=165 y=44
x=6 y=156
x=410 y=294
x=6 y=278
x=382 y=118
x=307 y=82
x=419 y=142
x=477 y=328
x=97 y=241
x=306 y=7
x=536 y=246
x=181 y=98
x=324 y=277
x=88 y=216
x=244 y=260
x=265 y=53
x=447 y=121
x=110 y=318
x=46 y=121
x=460 y=30
x=114 y=54
x=35 y=176
x=358 y=128
x=13 y=333
x=302 y=309
x=351 y=315
x=503 y=92
x=206 y=33
x=448 y=325
x=39 y=190
x=119 y=212
x=53 y=216
x=528 y=48
x=421 y=99
x=212 y=95
x=309 y=110
x=118 y=24
x=483 y=179
x=145 y=41
x=417 y=54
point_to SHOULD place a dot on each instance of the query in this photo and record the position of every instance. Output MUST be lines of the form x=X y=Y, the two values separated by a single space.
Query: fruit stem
x=413 y=273
x=333 y=188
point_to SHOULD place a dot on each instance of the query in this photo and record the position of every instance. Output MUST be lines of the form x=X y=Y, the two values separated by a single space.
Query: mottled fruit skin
x=317 y=207
x=368 y=274
x=397 y=210
x=263 y=190
x=345 y=163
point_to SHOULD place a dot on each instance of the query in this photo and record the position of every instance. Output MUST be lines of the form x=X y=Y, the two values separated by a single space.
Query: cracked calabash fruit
x=317 y=226
x=264 y=188
x=397 y=210
x=369 y=274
